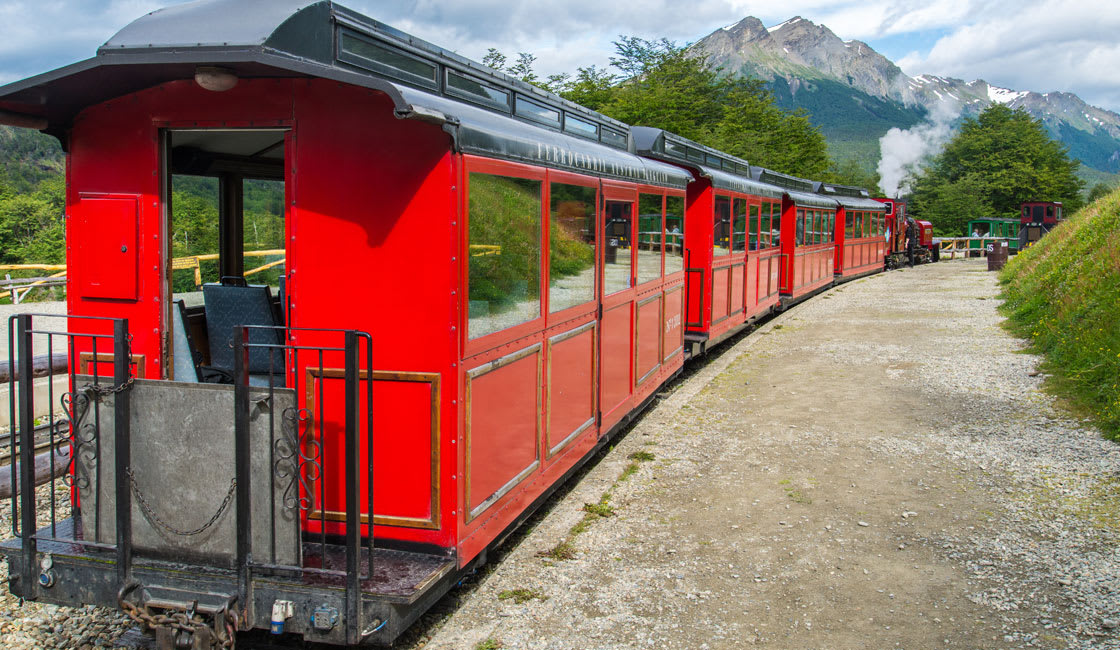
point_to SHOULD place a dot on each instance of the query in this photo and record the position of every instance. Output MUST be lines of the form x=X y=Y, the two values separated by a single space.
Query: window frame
x=573 y=311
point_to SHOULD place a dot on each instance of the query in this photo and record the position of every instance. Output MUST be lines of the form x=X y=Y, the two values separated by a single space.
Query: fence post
x=353 y=480
x=241 y=453
x=27 y=456
x=123 y=447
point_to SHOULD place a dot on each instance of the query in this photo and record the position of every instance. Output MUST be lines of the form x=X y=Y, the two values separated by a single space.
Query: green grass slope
x=1063 y=294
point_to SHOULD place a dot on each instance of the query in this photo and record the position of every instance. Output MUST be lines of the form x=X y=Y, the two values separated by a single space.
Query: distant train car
x=809 y=233
x=1008 y=229
x=1036 y=218
x=861 y=225
x=731 y=233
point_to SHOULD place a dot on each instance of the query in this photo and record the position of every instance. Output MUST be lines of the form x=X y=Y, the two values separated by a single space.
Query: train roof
x=483 y=110
x=725 y=171
x=801 y=191
x=849 y=196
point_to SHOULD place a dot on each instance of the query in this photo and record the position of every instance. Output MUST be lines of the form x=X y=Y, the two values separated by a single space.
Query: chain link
x=97 y=391
x=221 y=637
x=154 y=518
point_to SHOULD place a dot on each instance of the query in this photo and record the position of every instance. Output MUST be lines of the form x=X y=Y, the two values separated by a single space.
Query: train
x=475 y=284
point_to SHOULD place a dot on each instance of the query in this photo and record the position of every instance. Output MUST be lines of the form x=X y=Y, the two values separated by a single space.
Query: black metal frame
x=129 y=576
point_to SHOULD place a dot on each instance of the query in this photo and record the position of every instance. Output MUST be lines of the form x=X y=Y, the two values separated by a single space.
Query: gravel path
x=877 y=468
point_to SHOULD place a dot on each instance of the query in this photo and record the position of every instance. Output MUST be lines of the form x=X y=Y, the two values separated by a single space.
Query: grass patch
x=592 y=512
x=1063 y=295
x=520 y=596
x=489 y=644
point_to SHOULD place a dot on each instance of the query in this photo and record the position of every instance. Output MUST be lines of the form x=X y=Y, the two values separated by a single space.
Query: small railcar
x=432 y=291
x=1036 y=219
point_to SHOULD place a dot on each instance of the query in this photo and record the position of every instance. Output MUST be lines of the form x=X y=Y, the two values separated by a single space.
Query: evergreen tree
x=997 y=160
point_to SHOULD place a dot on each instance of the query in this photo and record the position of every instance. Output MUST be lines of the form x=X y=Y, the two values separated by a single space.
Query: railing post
x=241 y=453
x=353 y=480
x=123 y=446
x=27 y=456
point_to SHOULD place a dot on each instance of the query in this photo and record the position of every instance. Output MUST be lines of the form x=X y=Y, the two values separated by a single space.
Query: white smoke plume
x=902 y=151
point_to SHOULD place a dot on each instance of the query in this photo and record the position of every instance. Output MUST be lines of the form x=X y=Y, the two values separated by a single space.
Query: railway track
x=42 y=440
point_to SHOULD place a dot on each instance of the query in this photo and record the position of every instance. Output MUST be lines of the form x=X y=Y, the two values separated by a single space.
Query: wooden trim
x=85 y=358
x=471 y=513
x=433 y=379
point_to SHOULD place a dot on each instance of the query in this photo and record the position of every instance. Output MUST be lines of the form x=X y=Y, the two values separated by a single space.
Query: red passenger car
x=431 y=292
x=1036 y=219
x=731 y=236
x=808 y=236
x=861 y=240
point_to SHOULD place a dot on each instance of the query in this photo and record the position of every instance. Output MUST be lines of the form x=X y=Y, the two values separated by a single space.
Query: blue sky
x=1041 y=45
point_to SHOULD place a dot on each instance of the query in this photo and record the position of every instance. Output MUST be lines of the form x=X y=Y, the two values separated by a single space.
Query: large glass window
x=617 y=217
x=849 y=224
x=721 y=231
x=649 y=237
x=674 y=234
x=753 y=225
x=765 y=229
x=504 y=252
x=571 y=244
x=866 y=224
x=775 y=227
x=739 y=226
x=800 y=227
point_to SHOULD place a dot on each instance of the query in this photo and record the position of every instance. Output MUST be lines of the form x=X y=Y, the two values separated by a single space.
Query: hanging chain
x=221 y=636
x=154 y=518
x=98 y=391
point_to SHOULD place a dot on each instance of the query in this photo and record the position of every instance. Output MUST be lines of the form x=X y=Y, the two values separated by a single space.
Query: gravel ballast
x=877 y=468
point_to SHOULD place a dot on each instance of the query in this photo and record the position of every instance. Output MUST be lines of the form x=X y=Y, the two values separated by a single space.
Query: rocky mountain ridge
x=799 y=54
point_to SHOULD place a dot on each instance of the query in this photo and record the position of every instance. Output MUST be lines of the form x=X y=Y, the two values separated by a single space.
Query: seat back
x=229 y=307
x=187 y=358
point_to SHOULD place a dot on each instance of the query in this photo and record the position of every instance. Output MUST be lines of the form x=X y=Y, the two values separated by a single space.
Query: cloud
x=1045 y=46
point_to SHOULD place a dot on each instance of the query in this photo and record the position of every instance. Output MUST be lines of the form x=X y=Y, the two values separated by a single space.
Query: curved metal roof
x=860 y=203
x=726 y=181
x=810 y=200
x=297 y=38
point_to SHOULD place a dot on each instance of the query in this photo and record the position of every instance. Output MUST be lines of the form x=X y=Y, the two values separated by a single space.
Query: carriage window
x=721 y=231
x=1049 y=212
x=831 y=227
x=571 y=245
x=616 y=246
x=766 y=228
x=775 y=227
x=575 y=125
x=849 y=223
x=263 y=232
x=378 y=58
x=612 y=137
x=674 y=234
x=194 y=236
x=468 y=88
x=537 y=112
x=739 y=226
x=649 y=237
x=675 y=149
x=504 y=252
x=800 y=227
x=753 y=228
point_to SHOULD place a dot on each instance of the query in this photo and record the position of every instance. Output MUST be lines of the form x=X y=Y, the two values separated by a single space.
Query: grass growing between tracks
x=1063 y=294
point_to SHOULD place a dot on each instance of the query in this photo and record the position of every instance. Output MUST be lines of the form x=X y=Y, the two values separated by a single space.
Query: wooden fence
x=18 y=288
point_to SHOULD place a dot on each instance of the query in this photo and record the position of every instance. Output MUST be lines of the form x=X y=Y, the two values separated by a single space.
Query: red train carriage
x=1036 y=219
x=861 y=224
x=731 y=236
x=431 y=291
x=910 y=241
x=808 y=228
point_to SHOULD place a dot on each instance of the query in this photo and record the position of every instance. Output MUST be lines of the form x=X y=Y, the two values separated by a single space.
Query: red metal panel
x=674 y=330
x=720 y=286
x=754 y=266
x=616 y=362
x=104 y=227
x=647 y=336
x=738 y=280
x=503 y=425
x=571 y=385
